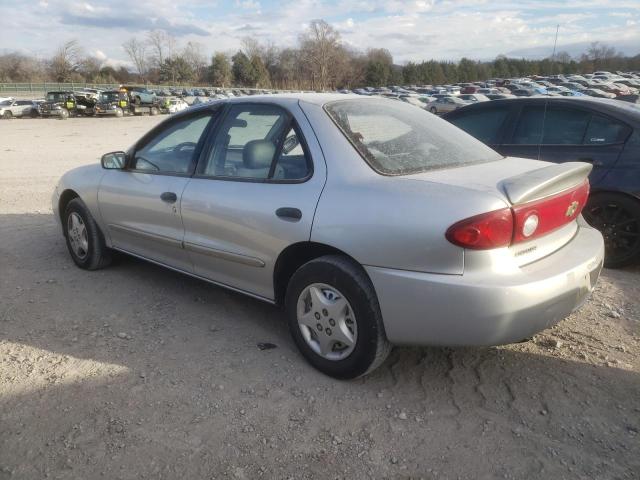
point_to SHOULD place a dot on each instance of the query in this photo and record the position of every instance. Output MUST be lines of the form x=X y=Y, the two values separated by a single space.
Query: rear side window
x=395 y=138
x=603 y=131
x=561 y=126
x=484 y=124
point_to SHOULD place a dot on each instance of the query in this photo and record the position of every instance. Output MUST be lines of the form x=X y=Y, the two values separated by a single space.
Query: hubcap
x=77 y=234
x=327 y=321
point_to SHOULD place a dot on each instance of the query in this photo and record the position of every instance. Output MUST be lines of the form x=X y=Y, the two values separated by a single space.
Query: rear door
x=601 y=144
x=254 y=193
x=567 y=134
x=141 y=205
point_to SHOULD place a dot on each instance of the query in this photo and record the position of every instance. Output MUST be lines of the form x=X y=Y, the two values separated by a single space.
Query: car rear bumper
x=488 y=307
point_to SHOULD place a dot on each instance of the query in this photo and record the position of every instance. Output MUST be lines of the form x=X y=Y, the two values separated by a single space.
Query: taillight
x=485 y=231
x=520 y=223
x=550 y=213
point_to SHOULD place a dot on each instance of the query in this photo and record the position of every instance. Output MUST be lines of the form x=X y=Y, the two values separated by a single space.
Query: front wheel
x=7 y=115
x=119 y=112
x=433 y=110
x=84 y=238
x=618 y=219
x=334 y=317
x=64 y=114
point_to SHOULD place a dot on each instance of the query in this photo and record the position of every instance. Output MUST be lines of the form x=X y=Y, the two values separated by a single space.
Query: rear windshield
x=396 y=138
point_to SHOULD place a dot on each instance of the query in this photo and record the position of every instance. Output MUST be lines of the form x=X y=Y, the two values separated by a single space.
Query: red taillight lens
x=485 y=231
x=552 y=213
x=501 y=228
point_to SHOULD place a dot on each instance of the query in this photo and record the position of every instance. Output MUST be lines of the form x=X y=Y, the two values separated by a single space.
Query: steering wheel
x=184 y=145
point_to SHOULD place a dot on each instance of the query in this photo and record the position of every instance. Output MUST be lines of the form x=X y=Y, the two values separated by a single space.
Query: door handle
x=289 y=214
x=168 y=197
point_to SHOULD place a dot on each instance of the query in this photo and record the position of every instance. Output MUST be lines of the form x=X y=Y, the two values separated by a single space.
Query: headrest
x=258 y=154
x=238 y=123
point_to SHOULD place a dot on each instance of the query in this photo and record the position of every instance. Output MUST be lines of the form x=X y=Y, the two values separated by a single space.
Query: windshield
x=398 y=139
x=109 y=97
x=55 y=97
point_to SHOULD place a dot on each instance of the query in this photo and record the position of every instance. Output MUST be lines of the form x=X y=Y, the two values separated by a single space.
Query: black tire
x=34 y=113
x=7 y=115
x=618 y=219
x=433 y=110
x=97 y=255
x=371 y=346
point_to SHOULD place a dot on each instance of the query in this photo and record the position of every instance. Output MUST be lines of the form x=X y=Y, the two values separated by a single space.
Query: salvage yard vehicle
x=18 y=108
x=446 y=104
x=370 y=221
x=59 y=104
x=604 y=133
x=139 y=95
x=112 y=102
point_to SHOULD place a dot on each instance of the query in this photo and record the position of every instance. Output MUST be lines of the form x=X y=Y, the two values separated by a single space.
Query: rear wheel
x=64 y=114
x=34 y=113
x=7 y=115
x=119 y=112
x=618 y=218
x=84 y=238
x=334 y=317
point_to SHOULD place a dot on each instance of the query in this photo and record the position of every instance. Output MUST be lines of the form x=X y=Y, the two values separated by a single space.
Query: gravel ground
x=139 y=372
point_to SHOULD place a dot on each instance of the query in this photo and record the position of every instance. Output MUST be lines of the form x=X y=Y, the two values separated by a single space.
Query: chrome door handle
x=168 y=197
x=289 y=214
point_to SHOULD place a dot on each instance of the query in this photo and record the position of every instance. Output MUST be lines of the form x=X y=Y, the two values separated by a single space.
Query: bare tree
x=194 y=56
x=65 y=61
x=162 y=46
x=601 y=51
x=319 y=46
x=137 y=52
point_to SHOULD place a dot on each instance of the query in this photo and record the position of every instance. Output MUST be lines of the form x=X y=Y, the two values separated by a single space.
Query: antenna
x=546 y=102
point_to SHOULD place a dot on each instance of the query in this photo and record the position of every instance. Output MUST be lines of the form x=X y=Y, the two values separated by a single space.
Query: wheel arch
x=65 y=197
x=293 y=257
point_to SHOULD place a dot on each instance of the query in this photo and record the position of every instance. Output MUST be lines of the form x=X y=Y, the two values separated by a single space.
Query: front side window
x=259 y=142
x=173 y=149
x=484 y=124
x=398 y=139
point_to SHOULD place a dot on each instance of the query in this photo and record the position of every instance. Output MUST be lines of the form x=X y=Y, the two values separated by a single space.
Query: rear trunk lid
x=553 y=193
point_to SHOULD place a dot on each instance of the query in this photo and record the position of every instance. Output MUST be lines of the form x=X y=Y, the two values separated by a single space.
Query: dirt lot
x=138 y=372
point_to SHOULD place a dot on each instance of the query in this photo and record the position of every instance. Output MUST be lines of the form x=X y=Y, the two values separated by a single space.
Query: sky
x=412 y=30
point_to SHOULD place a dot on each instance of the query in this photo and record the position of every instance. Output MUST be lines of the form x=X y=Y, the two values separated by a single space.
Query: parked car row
x=622 y=86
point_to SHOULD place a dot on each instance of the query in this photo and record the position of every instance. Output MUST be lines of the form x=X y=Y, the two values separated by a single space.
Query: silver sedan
x=372 y=222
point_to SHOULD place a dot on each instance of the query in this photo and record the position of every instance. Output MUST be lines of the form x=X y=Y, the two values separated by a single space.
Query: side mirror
x=114 y=160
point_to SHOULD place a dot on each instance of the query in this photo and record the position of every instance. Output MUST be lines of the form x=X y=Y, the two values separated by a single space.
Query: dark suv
x=605 y=133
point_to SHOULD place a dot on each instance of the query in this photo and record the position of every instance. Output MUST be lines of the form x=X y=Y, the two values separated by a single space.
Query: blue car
x=604 y=133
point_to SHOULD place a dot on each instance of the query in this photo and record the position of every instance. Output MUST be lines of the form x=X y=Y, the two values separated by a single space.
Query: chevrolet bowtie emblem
x=571 y=209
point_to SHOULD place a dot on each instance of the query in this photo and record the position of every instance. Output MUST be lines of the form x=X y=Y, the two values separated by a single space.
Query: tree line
x=319 y=61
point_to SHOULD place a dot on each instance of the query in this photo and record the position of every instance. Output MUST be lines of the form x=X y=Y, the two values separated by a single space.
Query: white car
x=177 y=105
x=18 y=108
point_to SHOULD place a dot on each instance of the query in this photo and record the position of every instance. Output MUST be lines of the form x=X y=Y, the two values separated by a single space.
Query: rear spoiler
x=540 y=183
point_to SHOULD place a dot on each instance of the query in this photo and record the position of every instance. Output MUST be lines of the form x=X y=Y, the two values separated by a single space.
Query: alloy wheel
x=77 y=233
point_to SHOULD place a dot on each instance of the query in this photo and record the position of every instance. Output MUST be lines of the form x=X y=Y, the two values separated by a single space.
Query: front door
x=254 y=193
x=141 y=204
